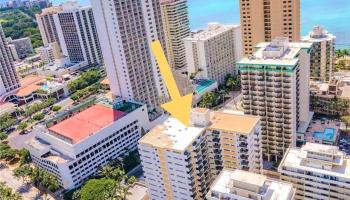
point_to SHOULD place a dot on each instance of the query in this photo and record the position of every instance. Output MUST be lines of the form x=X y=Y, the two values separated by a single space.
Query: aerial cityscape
x=174 y=100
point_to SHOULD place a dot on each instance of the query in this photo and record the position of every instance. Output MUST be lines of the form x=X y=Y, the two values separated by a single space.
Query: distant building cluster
x=24 y=3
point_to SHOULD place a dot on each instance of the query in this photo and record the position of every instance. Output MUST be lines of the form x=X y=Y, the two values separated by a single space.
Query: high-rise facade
x=182 y=162
x=47 y=21
x=126 y=28
x=9 y=80
x=243 y=185
x=263 y=20
x=73 y=28
x=212 y=53
x=275 y=86
x=317 y=171
x=176 y=26
x=80 y=34
x=322 y=54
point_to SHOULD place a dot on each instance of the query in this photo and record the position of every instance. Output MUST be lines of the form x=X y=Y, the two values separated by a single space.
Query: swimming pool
x=45 y=87
x=327 y=134
x=203 y=84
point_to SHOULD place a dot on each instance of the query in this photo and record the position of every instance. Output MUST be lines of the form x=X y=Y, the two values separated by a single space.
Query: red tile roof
x=86 y=123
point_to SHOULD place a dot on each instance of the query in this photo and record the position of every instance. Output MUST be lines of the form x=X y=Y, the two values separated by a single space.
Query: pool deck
x=320 y=126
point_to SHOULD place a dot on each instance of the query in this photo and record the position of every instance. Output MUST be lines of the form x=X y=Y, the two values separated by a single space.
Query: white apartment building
x=243 y=185
x=182 y=162
x=126 y=29
x=317 y=171
x=49 y=53
x=74 y=148
x=176 y=26
x=322 y=54
x=212 y=53
x=9 y=80
x=275 y=86
x=73 y=28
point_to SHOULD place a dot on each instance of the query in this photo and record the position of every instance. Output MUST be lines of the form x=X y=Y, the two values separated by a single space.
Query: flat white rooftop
x=318 y=34
x=213 y=30
x=289 y=56
x=243 y=182
x=172 y=135
x=297 y=158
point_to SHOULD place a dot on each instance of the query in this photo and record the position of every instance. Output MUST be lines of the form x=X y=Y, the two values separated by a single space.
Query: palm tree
x=7 y=193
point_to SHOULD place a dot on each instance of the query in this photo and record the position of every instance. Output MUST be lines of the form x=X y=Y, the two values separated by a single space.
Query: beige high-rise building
x=176 y=27
x=275 y=86
x=9 y=80
x=47 y=21
x=182 y=162
x=322 y=54
x=263 y=20
x=317 y=171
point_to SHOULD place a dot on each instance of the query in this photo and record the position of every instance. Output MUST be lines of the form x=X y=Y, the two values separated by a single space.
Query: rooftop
x=213 y=29
x=298 y=158
x=241 y=183
x=277 y=53
x=29 y=84
x=86 y=123
x=233 y=123
x=317 y=34
x=172 y=135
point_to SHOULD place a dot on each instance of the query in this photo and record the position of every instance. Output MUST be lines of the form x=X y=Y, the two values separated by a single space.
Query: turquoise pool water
x=45 y=87
x=327 y=134
x=203 y=84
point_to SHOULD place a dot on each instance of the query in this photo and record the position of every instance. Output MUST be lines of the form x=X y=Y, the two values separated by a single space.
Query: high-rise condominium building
x=275 y=86
x=74 y=148
x=76 y=32
x=47 y=22
x=176 y=27
x=126 y=28
x=263 y=20
x=317 y=171
x=9 y=80
x=243 y=185
x=80 y=34
x=181 y=162
x=22 y=47
x=322 y=54
x=212 y=53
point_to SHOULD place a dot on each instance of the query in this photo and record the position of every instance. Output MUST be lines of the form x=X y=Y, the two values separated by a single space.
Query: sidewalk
x=27 y=191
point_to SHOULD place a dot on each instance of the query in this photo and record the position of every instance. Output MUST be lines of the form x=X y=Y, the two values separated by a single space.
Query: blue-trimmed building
x=275 y=86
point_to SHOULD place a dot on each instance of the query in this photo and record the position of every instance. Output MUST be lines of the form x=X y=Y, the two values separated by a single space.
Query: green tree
x=25 y=157
x=22 y=172
x=56 y=108
x=38 y=116
x=6 y=153
x=22 y=126
x=98 y=189
x=6 y=193
x=3 y=136
x=6 y=121
x=209 y=100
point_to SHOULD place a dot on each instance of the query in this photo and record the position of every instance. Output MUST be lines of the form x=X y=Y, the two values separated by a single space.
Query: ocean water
x=334 y=15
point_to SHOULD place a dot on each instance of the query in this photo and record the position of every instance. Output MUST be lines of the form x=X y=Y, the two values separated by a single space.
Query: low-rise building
x=21 y=47
x=49 y=53
x=317 y=171
x=72 y=147
x=181 y=162
x=243 y=185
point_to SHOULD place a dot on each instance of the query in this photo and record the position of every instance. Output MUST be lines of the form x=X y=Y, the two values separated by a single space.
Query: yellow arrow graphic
x=179 y=106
